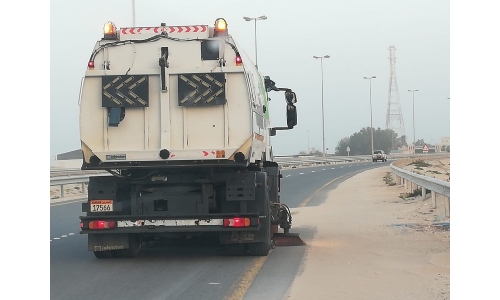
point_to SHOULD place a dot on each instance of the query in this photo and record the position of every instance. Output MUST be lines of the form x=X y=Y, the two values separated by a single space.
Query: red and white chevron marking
x=168 y=29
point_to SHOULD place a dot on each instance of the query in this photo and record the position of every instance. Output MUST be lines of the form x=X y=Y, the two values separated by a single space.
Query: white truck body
x=199 y=131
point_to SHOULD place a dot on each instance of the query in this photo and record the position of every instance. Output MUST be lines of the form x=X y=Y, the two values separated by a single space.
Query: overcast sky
x=356 y=34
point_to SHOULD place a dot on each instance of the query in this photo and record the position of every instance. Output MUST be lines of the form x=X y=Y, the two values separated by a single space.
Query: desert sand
x=372 y=244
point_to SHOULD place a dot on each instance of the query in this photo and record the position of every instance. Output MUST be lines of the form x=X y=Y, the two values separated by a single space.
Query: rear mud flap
x=106 y=242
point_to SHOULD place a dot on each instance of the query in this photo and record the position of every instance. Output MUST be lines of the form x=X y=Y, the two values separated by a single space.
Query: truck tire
x=134 y=248
x=103 y=254
x=236 y=249
x=262 y=248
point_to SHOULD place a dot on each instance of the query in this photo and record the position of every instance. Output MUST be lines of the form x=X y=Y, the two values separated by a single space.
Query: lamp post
x=308 y=148
x=133 y=13
x=255 y=32
x=371 y=114
x=322 y=102
x=413 y=94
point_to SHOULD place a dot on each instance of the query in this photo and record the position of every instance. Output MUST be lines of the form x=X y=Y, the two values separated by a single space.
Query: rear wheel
x=103 y=254
x=236 y=249
x=260 y=248
x=134 y=248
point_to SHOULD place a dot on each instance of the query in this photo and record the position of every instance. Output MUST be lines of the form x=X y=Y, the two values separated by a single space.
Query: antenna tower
x=394 y=118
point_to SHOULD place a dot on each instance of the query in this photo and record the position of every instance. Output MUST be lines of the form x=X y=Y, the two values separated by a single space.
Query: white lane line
x=324 y=169
x=57 y=238
x=333 y=168
x=313 y=171
x=74 y=234
x=287 y=176
x=213 y=283
x=341 y=167
x=301 y=173
x=64 y=236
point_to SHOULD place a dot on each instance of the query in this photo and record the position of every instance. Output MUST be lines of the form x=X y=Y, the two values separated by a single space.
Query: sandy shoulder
x=363 y=250
x=437 y=168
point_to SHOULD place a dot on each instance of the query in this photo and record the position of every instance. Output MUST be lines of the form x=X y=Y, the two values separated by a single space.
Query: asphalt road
x=196 y=269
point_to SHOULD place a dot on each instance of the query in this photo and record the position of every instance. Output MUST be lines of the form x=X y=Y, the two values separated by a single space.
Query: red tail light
x=238 y=60
x=98 y=225
x=236 y=222
x=91 y=65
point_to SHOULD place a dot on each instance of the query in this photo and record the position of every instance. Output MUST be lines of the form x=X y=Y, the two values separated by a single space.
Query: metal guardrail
x=64 y=177
x=436 y=186
x=73 y=179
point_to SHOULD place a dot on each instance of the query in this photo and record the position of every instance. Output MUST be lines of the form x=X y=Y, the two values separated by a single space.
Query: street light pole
x=322 y=101
x=308 y=148
x=371 y=113
x=255 y=34
x=413 y=94
x=133 y=13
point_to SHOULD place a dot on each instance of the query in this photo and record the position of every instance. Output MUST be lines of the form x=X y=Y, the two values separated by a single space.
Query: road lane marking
x=240 y=287
x=324 y=169
x=71 y=233
x=287 y=175
x=313 y=171
x=306 y=201
x=333 y=168
x=301 y=173
x=64 y=236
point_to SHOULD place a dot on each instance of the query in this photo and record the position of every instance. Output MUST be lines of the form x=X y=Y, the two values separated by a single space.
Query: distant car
x=379 y=155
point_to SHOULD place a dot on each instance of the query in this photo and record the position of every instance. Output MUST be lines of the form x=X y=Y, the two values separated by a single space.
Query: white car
x=379 y=155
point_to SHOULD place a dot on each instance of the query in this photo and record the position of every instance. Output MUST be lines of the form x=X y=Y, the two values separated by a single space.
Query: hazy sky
x=356 y=34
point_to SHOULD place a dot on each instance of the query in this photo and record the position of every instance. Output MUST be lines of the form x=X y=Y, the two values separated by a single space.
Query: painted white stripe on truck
x=188 y=222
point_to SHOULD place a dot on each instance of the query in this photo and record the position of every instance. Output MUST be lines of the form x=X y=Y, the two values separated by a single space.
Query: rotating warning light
x=110 y=31
x=220 y=27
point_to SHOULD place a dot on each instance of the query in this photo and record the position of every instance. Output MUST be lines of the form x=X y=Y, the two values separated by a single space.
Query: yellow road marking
x=305 y=202
x=243 y=283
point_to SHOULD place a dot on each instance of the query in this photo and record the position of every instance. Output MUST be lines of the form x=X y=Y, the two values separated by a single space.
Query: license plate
x=101 y=205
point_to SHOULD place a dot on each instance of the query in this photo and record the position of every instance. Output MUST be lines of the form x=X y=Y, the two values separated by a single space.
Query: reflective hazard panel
x=202 y=89
x=125 y=91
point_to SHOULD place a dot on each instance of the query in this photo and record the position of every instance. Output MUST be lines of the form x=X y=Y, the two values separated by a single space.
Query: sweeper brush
x=283 y=219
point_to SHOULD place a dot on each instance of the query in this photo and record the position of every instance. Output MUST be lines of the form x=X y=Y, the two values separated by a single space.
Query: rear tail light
x=238 y=60
x=99 y=225
x=237 y=222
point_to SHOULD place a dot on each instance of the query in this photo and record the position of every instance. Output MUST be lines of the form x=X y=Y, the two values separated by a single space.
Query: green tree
x=360 y=142
x=420 y=142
